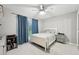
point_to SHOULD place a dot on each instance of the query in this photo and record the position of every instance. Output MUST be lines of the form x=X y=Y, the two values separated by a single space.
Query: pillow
x=52 y=31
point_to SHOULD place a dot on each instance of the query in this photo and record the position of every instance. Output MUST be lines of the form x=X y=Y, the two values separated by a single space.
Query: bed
x=44 y=39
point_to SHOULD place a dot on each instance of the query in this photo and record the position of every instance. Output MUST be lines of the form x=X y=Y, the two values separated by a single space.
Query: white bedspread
x=47 y=37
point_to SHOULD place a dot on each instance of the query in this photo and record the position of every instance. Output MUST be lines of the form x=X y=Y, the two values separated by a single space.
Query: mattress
x=43 y=38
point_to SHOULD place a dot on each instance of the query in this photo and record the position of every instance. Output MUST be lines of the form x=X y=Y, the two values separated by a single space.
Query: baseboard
x=72 y=44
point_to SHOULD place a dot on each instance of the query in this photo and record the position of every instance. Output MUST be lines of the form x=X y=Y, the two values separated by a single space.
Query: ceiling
x=30 y=10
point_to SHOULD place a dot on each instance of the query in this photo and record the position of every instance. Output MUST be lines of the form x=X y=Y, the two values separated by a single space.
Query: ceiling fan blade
x=35 y=16
x=49 y=13
x=35 y=10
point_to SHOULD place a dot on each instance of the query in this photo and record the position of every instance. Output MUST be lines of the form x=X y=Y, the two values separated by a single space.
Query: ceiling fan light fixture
x=42 y=13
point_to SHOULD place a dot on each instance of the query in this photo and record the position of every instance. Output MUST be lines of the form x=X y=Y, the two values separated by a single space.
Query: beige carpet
x=56 y=49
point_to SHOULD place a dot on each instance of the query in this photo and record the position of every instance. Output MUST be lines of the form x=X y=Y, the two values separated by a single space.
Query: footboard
x=42 y=42
x=39 y=41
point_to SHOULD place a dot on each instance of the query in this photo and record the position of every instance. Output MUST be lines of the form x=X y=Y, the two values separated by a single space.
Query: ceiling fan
x=42 y=9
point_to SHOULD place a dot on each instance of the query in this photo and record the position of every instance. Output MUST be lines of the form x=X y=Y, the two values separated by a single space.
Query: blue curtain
x=34 y=26
x=22 y=29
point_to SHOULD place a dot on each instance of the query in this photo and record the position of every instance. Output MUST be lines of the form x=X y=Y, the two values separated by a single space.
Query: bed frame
x=40 y=41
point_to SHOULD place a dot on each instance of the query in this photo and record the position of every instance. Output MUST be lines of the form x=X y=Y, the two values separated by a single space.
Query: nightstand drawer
x=61 y=38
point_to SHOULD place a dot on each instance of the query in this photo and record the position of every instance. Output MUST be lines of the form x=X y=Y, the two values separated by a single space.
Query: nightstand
x=60 y=37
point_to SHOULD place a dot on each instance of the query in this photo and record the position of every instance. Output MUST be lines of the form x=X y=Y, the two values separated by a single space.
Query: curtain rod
x=14 y=13
x=19 y=14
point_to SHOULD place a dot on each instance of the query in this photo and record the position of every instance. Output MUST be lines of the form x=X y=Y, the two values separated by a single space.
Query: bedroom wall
x=8 y=23
x=8 y=26
x=64 y=23
x=40 y=25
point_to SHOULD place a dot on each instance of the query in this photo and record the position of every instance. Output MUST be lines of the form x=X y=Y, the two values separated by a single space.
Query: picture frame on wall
x=1 y=11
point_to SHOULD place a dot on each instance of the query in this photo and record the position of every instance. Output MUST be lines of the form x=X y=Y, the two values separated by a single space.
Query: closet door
x=78 y=38
x=78 y=29
x=78 y=22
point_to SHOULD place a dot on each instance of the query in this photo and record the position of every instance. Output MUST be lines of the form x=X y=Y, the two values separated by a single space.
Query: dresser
x=11 y=42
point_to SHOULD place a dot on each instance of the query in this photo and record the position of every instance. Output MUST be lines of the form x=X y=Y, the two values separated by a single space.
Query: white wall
x=8 y=23
x=65 y=23
x=40 y=25
x=8 y=27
